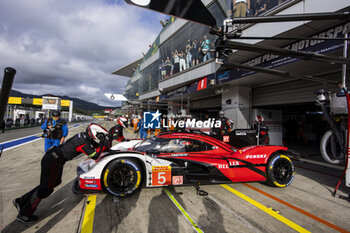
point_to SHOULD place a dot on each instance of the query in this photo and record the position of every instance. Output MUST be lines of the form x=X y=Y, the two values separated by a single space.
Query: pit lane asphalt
x=307 y=204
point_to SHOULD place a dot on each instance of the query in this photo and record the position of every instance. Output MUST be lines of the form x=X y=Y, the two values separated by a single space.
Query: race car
x=181 y=159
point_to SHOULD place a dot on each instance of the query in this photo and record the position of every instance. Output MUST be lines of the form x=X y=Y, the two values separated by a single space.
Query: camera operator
x=55 y=130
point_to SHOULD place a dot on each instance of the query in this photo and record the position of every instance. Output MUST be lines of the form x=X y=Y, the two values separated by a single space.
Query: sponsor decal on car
x=90 y=184
x=226 y=139
x=246 y=149
x=178 y=180
x=90 y=181
x=161 y=175
x=179 y=155
x=225 y=166
x=261 y=156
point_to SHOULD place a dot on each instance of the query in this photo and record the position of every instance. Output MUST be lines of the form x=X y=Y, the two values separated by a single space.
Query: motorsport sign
x=117 y=97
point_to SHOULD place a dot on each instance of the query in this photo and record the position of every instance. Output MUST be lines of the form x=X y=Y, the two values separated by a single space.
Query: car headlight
x=80 y=171
x=85 y=166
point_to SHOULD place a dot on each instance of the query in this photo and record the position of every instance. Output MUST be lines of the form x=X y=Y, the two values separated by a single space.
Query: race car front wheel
x=75 y=186
x=121 y=177
x=280 y=171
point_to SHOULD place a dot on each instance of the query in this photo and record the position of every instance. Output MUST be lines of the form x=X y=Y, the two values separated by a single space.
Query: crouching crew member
x=117 y=131
x=92 y=142
x=55 y=130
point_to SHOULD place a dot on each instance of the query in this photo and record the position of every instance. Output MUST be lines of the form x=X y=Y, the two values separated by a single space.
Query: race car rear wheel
x=121 y=177
x=280 y=171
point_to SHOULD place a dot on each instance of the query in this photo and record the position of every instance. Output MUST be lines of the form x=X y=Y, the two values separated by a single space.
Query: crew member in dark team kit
x=117 y=131
x=92 y=142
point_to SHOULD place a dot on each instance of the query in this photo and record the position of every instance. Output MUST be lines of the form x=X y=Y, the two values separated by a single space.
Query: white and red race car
x=178 y=158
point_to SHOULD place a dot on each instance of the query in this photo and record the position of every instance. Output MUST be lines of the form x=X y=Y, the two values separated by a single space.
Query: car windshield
x=148 y=144
x=174 y=145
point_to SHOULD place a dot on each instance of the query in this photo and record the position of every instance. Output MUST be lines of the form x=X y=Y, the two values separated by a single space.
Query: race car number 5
x=161 y=175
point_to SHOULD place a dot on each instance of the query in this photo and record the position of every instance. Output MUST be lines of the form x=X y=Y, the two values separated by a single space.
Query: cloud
x=71 y=47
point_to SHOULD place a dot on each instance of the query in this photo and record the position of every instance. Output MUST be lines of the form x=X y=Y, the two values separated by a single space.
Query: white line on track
x=37 y=134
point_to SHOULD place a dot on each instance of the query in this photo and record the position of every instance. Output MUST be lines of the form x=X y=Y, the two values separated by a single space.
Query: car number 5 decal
x=161 y=175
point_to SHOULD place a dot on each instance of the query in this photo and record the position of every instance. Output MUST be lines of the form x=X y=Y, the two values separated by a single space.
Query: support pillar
x=236 y=105
x=70 y=114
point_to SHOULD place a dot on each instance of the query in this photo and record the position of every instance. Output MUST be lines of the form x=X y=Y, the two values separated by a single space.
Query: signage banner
x=201 y=84
x=37 y=101
x=272 y=61
x=65 y=103
x=15 y=100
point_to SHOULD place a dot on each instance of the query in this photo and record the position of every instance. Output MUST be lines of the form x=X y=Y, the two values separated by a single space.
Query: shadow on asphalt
x=213 y=221
x=162 y=208
x=59 y=204
x=111 y=211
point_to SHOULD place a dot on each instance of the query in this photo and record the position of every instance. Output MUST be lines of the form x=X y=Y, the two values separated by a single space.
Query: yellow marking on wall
x=65 y=103
x=37 y=101
x=15 y=100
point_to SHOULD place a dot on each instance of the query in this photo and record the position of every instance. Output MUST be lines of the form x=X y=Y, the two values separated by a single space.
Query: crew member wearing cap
x=55 y=130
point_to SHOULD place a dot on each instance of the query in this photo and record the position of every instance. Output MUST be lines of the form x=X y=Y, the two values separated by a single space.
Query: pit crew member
x=92 y=142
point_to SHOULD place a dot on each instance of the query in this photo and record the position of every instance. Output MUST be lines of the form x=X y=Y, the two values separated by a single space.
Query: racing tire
x=280 y=171
x=329 y=147
x=121 y=177
x=75 y=186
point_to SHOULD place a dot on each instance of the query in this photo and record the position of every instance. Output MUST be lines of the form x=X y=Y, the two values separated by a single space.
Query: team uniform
x=118 y=133
x=52 y=166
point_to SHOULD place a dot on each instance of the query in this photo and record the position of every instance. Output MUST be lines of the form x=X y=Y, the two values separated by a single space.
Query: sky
x=66 y=47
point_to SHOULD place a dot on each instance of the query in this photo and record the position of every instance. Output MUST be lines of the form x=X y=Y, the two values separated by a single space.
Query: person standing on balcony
x=188 y=54
x=167 y=67
x=176 y=62
x=240 y=8
x=260 y=7
x=195 y=53
x=182 y=61
x=205 y=47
